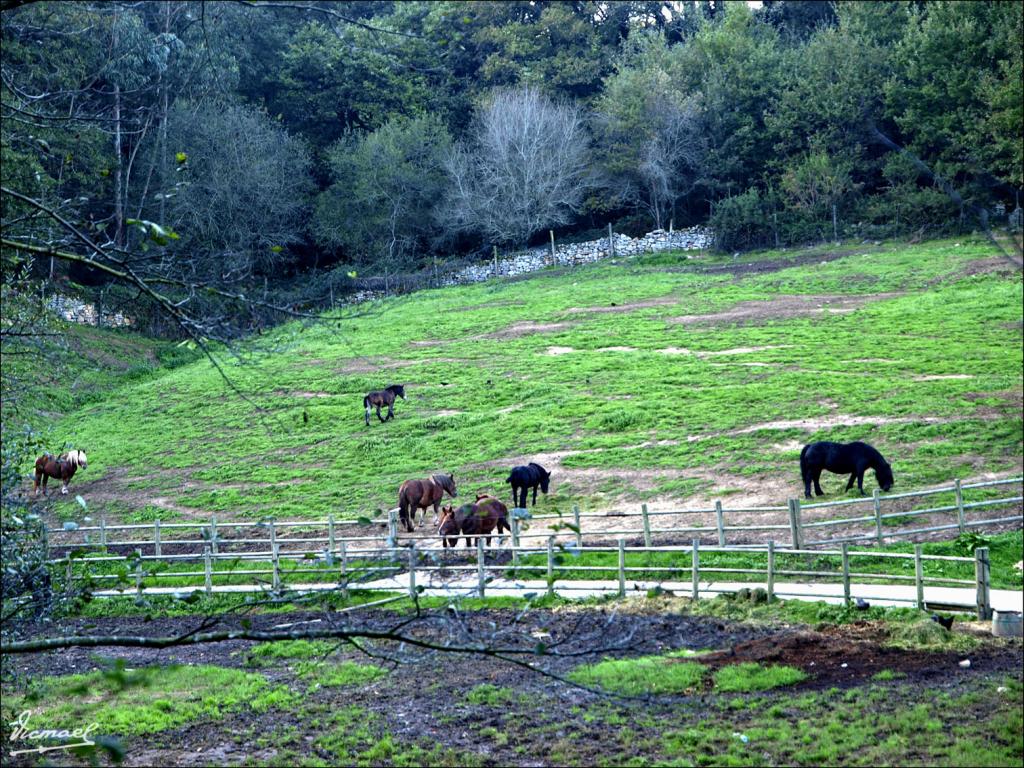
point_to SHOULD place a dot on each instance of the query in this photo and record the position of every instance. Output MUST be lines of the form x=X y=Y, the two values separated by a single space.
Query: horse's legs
x=64 y=489
x=379 y=416
x=849 y=483
x=35 y=484
x=534 y=496
x=368 y=409
x=391 y=415
x=437 y=512
x=860 y=481
x=522 y=493
x=817 y=485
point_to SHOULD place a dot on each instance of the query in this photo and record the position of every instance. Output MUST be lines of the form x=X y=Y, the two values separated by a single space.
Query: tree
x=244 y=189
x=650 y=134
x=525 y=168
x=380 y=208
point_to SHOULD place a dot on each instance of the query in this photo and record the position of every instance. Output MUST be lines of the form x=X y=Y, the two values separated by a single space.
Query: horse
x=420 y=494
x=855 y=458
x=525 y=478
x=381 y=398
x=62 y=467
x=479 y=519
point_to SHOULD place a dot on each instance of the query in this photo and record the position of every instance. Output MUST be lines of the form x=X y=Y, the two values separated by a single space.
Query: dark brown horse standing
x=381 y=398
x=480 y=519
x=420 y=494
x=61 y=467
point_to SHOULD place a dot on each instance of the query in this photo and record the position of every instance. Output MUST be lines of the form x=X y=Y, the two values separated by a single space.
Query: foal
x=381 y=398
x=62 y=467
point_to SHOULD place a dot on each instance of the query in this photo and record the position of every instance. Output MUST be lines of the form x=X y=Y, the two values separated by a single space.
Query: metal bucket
x=1007 y=624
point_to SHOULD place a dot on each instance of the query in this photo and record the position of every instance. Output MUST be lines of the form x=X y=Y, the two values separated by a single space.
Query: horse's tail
x=508 y=479
x=366 y=402
x=804 y=469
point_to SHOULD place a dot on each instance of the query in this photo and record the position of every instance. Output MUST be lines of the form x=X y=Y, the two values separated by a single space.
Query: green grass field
x=651 y=379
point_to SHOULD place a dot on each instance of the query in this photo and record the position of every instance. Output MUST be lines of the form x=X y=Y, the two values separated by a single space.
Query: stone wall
x=693 y=239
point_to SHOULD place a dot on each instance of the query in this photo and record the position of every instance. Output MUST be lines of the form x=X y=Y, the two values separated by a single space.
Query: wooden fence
x=317 y=536
x=341 y=560
x=548 y=568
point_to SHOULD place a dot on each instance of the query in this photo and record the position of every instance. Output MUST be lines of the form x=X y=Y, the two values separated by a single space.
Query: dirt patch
x=837 y=420
x=675 y=351
x=370 y=365
x=990 y=264
x=613 y=307
x=785 y=306
x=841 y=656
x=940 y=377
x=742 y=350
x=448 y=412
x=616 y=349
x=516 y=330
x=559 y=351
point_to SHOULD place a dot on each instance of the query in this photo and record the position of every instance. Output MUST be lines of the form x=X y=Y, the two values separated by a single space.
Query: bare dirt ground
x=423 y=699
x=800 y=305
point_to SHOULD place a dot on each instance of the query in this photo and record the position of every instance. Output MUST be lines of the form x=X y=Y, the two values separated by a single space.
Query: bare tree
x=526 y=168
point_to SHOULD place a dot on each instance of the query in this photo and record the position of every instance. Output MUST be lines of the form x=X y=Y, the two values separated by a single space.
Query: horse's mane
x=75 y=458
x=393 y=387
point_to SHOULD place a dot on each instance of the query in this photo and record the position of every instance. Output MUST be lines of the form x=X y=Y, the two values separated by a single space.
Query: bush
x=743 y=222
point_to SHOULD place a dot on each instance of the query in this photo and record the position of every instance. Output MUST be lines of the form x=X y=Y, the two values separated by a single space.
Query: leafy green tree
x=244 y=192
x=954 y=93
x=387 y=184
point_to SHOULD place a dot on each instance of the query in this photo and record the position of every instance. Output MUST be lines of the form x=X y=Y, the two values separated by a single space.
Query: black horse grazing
x=855 y=458
x=382 y=398
x=525 y=478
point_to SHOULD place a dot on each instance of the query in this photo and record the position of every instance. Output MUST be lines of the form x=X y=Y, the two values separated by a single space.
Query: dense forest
x=174 y=158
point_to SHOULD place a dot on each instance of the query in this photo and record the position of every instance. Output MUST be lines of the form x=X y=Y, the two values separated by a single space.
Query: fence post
x=960 y=505
x=138 y=572
x=647 y=527
x=495 y=261
x=277 y=568
x=579 y=531
x=846 y=574
x=481 y=578
x=918 y=577
x=68 y=577
x=103 y=531
x=793 y=527
x=330 y=534
x=551 y=565
x=720 y=522
x=515 y=545
x=207 y=570
x=552 y=233
x=771 y=571
x=611 y=241
x=622 y=567
x=392 y=531
x=344 y=570
x=878 y=516
x=695 y=568
x=213 y=533
x=156 y=538
x=412 y=572
x=981 y=575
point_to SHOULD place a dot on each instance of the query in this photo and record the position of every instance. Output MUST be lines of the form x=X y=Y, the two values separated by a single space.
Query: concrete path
x=875 y=594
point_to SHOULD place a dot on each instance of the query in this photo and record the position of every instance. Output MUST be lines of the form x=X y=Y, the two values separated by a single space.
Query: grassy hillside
x=662 y=379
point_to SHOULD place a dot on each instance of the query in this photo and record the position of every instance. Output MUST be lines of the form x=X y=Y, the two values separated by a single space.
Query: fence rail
x=384 y=569
x=331 y=531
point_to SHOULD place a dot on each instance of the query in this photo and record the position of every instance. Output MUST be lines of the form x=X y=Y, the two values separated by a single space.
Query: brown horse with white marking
x=61 y=467
x=420 y=494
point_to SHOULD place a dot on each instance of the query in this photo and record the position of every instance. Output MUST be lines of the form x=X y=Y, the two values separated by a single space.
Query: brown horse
x=479 y=519
x=63 y=467
x=420 y=494
x=381 y=398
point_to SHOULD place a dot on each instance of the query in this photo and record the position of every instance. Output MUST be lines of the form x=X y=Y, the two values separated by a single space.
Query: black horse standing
x=524 y=478
x=855 y=458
